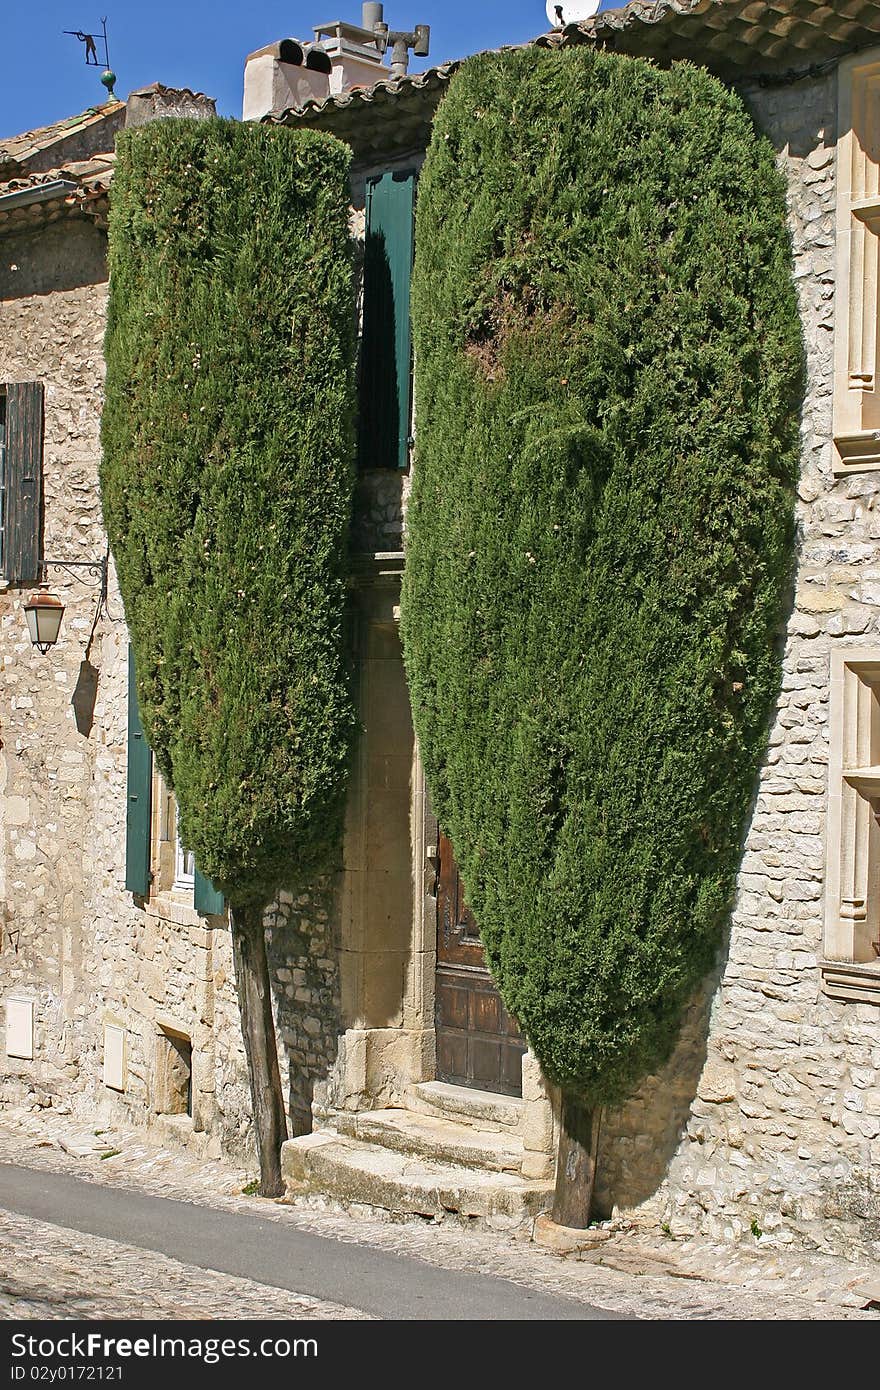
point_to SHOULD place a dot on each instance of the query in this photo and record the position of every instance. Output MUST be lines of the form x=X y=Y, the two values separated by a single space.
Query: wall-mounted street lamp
x=45 y=610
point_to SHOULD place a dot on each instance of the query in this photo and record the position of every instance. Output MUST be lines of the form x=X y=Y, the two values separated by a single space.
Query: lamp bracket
x=93 y=571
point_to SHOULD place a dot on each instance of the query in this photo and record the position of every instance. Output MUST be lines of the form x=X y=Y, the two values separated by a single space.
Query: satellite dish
x=563 y=12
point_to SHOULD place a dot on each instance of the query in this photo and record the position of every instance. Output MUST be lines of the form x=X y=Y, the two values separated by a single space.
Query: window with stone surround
x=173 y=870
x=172 y=1080
x=173 y=866
x=156 y=864
x=851 y=969
x=856 y=388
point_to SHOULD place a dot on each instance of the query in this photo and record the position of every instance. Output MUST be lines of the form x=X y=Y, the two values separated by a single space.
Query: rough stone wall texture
x=73 y=940
x=53 y=335
x=303 y=950
x=769 y=1112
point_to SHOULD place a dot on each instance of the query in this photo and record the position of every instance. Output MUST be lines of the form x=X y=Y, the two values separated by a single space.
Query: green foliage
x=609 y=376
x=227 y=479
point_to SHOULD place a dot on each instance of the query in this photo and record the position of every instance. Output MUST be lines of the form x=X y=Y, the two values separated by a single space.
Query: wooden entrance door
x=478 y=1043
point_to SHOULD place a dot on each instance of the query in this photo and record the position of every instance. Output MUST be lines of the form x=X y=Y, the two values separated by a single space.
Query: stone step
x=354 y=1173
x=483 y=1108
x=445 y=1141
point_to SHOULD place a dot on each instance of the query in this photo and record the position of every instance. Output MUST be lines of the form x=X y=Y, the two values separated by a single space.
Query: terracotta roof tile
x=730 y=36
x=18 y=149
x=393 y=115
x=92 y=178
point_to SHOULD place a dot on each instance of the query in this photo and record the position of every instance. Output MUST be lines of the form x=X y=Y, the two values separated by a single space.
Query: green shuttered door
x=386 y=349
x=140 y=775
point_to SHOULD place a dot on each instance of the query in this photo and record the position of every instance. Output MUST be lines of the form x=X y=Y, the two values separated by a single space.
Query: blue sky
x=194 y=44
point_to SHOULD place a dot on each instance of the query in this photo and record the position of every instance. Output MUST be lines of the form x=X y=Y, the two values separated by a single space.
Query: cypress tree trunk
x=576 y=1162
x=258 y=1030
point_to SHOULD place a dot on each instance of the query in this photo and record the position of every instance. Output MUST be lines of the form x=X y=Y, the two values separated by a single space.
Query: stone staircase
x=451 y=1153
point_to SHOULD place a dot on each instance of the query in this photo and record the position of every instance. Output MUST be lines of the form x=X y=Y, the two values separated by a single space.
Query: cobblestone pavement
x=51 y=1272
x=48 y=1271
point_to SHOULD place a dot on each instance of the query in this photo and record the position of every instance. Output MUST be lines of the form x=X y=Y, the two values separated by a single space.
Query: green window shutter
x=386 y=347
x=140 y=783
x=23 y=482
x=206 y=897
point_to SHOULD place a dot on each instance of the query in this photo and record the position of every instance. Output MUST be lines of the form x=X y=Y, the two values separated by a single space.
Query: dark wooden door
x=478 y=1042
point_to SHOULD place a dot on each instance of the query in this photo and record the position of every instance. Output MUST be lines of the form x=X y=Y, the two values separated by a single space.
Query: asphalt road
x=269 y=1252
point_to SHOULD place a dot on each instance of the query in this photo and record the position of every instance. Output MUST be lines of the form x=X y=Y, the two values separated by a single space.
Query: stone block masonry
x=302 y=945
x=72 y=940
x=766 y=1122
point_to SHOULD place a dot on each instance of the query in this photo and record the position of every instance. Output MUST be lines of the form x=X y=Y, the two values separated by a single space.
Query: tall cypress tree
x=226 y=484
x=608 y=384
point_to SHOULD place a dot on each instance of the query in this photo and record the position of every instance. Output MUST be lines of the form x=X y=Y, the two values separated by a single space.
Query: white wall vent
x=114 y=1056
x=20 y=1028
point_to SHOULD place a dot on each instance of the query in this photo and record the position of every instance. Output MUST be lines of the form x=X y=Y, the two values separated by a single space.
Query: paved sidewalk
x=45 y=1266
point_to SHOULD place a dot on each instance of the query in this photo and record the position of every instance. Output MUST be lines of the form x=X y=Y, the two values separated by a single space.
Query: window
x=155 y=861
x=851 y=969
x=173 y=1073
x=21 y=481
x=856 y=393
x=184 y=866
x=173 y=866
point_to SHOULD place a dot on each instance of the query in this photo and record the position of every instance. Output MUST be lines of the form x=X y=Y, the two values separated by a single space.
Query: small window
x=173 y=1082
x=856 y=368
x=184 y=866
x=173 y=865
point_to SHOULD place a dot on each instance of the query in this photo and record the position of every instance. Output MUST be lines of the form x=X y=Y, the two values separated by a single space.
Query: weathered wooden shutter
x=205 y=895
x=140 y=782
x=386 y=347
x=24 y=482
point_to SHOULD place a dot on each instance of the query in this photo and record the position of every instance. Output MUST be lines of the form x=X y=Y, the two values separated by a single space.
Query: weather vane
x=90 y=43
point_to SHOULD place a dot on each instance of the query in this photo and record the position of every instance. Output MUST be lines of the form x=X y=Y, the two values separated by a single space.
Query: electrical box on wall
x=20 y=1028
x=114 y=1057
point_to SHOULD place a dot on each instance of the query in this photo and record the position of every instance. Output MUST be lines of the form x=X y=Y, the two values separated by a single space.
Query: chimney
x=342 y=56
x=282 y=75
x=354 y=52
x=153 y=102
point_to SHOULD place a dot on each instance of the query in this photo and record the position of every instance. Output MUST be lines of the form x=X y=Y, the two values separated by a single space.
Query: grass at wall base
x=609 y=374
x=226 y=483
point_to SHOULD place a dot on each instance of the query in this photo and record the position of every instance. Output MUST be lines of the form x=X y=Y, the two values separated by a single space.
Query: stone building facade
x=94 y=983
x=767 y=1118
x=768 y=1115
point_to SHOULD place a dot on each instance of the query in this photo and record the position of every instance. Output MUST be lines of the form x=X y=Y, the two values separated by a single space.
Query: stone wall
x=73 y=940
x=303 y=950
x=767 y=1119
x=54 y=334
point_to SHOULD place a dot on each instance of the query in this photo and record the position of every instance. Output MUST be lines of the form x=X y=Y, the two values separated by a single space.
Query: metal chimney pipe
x=372 y=15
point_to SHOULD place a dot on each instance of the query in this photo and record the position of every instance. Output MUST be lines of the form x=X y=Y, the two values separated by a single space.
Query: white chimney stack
x=282 y=75
x=342 y=56
x=355 y=55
